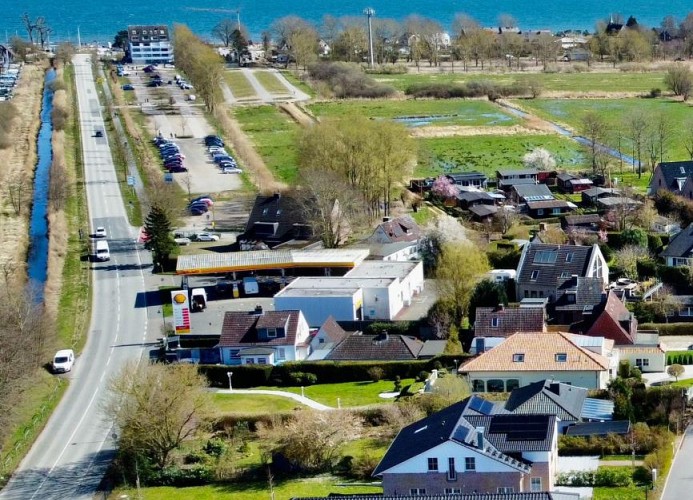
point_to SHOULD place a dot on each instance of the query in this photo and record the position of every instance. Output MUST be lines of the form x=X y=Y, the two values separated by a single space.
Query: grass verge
x=253 y=404
x=271 y=82
x=298 y=83
x=349 y=394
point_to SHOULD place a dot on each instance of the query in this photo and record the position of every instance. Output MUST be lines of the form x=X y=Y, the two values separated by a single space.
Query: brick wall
x=469 y=482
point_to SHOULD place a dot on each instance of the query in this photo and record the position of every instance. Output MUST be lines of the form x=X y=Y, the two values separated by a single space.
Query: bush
x=348 y=80
x=422 y=376
x=7 y=114
x=668 y=328
x=655 y=92
x=388 y=69
x=376 y=373
x=607 y=477
x=181 y=477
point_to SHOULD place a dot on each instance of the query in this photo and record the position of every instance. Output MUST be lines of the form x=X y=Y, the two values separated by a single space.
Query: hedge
x=325 y=372
x=680 y=358
x=669 y=328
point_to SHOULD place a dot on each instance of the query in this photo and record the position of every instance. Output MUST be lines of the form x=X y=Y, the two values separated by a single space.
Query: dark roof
x=482 y=211
x=509 y=320
x=543 y=495
x=505 y=183
x=681 y=245
x=672 y=170
x=596 y=191
x=358 y=347
x=551 y=262
x=582 y=220
x=276 y=219
x=146 y=33
x=241 y=328
x=459 y=177
x=598 y=428
x=470 y=196
x=588 y=292
x=401 y=229
x=447 y=424
x=522 y=171
x=565 y=177
x=549 y=397
x=533 y=192
x=514 y=433
x=534 y=205
x=432 y=348
x=477 y=405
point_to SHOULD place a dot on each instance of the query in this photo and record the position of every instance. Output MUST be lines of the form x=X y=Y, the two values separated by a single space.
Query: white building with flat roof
x=150 y=44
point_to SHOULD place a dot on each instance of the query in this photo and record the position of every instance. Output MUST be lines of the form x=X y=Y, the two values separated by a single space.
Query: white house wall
x=318 y=308
x=587 y=379
x=656 y=361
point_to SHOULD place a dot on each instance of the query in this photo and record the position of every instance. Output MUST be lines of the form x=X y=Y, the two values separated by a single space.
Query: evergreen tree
x=159 y=238
x=452 y=345
x=486 y=294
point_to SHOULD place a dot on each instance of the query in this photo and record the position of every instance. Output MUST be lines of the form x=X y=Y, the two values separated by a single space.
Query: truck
x=198 y=299
x=101 y=251
x=250 y=286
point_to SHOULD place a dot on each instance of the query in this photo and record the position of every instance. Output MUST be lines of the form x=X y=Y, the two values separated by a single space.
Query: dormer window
x=272 y=333
x=565 y=274
x=495 y=322
x=518 y=357
x=561 y=357
x=265 y=211
x=535 y=275
x=569 y=257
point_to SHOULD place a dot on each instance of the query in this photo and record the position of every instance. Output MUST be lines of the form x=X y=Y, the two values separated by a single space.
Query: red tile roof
x=241 y=328
x=608 y=323
x=509 y=320
x=401 y=229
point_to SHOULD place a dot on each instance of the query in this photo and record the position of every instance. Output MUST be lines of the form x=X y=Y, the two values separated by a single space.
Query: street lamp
x=369 y=12
x=230 y=374
x=455 y=361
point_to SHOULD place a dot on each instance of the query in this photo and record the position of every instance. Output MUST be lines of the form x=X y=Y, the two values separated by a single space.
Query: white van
x=63 y=361
x=101 y=251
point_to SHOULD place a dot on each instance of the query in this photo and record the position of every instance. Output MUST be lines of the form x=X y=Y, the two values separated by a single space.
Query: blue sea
x=99 y=20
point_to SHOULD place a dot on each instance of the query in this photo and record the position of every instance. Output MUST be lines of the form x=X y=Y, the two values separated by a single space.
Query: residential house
x=446 y=453
x=328 y=336
x=601 y=429
x=684 y=312
x=6 y=58
x=475 y=179
x=508 y=178
x=455 y=495
x=589 y=223
x=550 y=208
x=671 y=176
x=524 y=193
x=468 y=199
x=263 y=337
x=483 y=213
x=617 y=202
x=569 y=183
x=401 y=251
x=396 y=230
x=495 y=324
x=679 y=251
x=525 y=358
x=383 y=347
x=543 y=268
x=150 y=44
x=591 y=195
x=274 y=220
x=575 y=297
x=664 y=225
x=610 y=319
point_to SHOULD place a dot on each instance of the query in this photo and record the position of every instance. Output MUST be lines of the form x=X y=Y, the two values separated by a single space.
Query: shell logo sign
x=181 y=311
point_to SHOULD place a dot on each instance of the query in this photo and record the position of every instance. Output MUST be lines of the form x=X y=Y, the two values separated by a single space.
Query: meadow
x=488 y=153
x=562 y=82
x=419 y=111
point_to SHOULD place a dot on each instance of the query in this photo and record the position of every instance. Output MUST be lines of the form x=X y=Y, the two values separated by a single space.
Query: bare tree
x=223 y=31
x=687 y=137
x=637 y=123
x=16 y=193
x=595 y=129
x=627 y=258
x=679 y=80
x=30 y=27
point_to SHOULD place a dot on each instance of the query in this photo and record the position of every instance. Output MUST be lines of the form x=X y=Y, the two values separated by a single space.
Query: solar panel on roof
x=520 y=429
x=545 y=257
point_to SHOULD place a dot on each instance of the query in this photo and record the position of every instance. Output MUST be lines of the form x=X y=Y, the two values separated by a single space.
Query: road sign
x=168 y=177
x=131 y=180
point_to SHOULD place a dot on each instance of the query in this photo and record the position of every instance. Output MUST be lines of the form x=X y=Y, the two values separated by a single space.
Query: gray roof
x=672 y=170
x=483 y=210
x=552 y=262
x=588 y=293
x=598 y=428
x=459 y=177
x=543 y=495
x=681 y=245
x=521 y=171
x=533 y=192
x=549 y=397
x=615 y=201
x=432 y=348
x=470 y=196
x=597 y=409
x=565 y=177
x=579 y=220
x=596 y=191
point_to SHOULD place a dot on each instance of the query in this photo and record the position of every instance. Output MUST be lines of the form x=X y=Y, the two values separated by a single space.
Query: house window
x=280 y=353
x=570 y=298
x=642 y=362
x=321 y=341
x=511 y=384
x=535 y=275
x=452 y=473
x=518 y=357
x=561 y=357
x=432 y=464
x=261 y=361
x=506 y=489
x=249 y=361
x=417 y=491
x=478 y=386
x=569 y=257
x=453 y=491
x=565 y=274
x=494 y=322
x=540 y=211
x=271 y=333
x=535 y=484
x=495 y=385
x=526 y=294
x=469 y=463
x=234 y=353
x=556 y=211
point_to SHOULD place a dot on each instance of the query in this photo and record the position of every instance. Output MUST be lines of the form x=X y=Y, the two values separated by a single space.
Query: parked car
x=198 y=210
x=154 y=83
x=205 y=237
x=100 y=232
x=149 y=69
x=203 y=197
x=63 y=361
x=232 y=170
x=207 y=201
x=182 y=241
x=177 y=169
x=98 y=133
x=213 y=140
x=127 y=86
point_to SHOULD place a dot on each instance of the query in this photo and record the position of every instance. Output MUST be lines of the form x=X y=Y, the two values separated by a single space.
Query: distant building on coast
x=149 y=44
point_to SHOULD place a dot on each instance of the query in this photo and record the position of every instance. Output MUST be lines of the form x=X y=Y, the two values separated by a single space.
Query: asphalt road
x=680 y=481
x=69 y=458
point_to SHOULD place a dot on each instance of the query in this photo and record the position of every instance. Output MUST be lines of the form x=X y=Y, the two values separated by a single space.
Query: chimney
x=277 y=196
x=387 y=219
x=500 y=307
x=258 y=311
x=480 y=438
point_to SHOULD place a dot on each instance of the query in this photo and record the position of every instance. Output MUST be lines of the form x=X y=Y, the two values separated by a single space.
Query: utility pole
x=238 y=19
x=369 y=12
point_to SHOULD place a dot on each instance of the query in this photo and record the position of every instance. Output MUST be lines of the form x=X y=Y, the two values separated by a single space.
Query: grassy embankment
x=240 y=86
x=271 y=83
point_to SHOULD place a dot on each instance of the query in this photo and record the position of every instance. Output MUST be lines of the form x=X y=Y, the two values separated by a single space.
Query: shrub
x=215 y=447
x=388 y=69
x=655 y=92
x=348 y=80
x=376 y=373
x=422 y=376
x=668 y=328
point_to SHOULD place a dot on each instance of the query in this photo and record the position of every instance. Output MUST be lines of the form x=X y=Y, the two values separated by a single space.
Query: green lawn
x=298 y=83
x=615 y=112
x=349 y=393
x=239 y=85
x=488 y=153
x=270 y=82
x=443 y=112
x=274 y=136
x=629 y=493
x=252 y=403
x=309 y=487
x=569 y=82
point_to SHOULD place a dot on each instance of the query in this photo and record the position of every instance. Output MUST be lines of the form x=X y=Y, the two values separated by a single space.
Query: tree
x=304 y=46
x=539 y=159
x=676 y=371
x=486 y=294
x=21 y=48
x=663 y=304
x=635 y=237
x=679 y=80
x=452 y=344
x=459 y=268
x=637 y=123
x=311 y=440
x=156 y=408
x=443 y=188
x=160 y=240
x=223 y=31
x=686 y=134
x=30 y=27
x=627 y=258
x=595 y=129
